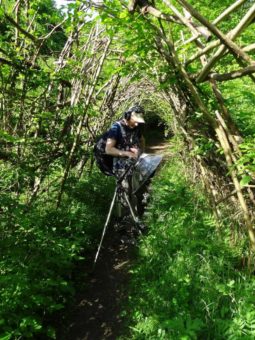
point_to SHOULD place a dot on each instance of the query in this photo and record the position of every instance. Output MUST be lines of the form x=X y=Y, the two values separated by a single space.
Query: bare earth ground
x=96 y=314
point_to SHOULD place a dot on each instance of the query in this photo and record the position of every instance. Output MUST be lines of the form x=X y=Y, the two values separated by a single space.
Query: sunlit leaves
x=186 y=284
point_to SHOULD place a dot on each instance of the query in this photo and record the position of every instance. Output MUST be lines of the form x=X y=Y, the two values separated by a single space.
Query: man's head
x=134 y=116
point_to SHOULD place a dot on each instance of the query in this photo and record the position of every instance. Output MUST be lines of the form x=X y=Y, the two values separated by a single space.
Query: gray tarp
x=144 y=169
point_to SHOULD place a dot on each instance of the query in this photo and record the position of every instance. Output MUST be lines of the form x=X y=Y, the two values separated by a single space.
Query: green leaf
x=123 y=14
x=5 y=336
x=245 y=180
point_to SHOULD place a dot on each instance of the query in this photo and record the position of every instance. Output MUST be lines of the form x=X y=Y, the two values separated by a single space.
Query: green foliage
x=187 y=282
x=246 y=163
x=203 y=146
x=40 y=250
x=239 y=96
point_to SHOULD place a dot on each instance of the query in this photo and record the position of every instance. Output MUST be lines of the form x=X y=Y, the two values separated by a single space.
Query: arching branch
x=232 y=75
x=227 y=11
x=222 y=16
x=227 y=42
x=237 y=51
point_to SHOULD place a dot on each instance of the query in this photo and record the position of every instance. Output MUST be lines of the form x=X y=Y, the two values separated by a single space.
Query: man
x=125 y=143
x=125 y=139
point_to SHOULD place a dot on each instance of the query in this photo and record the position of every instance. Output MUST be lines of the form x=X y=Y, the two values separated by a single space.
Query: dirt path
x=96 y=314
x=160 y=148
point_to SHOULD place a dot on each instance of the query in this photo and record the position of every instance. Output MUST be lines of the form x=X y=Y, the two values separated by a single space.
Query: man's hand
x=134 y=153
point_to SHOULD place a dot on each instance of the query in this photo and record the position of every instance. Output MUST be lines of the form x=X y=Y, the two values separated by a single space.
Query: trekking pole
x=105 y=226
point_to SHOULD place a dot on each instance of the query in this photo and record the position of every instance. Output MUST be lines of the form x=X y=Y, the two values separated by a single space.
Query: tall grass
x=187 y=282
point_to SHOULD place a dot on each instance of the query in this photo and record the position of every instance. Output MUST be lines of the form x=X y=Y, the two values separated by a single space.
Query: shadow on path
x=96 y=314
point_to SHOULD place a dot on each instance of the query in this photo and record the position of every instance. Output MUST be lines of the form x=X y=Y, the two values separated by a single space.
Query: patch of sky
x=60 y=3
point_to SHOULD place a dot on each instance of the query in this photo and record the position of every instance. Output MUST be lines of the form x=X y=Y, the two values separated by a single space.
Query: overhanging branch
x=227 y=42
x=237 y=51
x=232 y=75
x=22 y=30
x=222 y=16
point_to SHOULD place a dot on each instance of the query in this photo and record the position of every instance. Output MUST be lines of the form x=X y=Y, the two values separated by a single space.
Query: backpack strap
x=125 y=136
x=122 y=130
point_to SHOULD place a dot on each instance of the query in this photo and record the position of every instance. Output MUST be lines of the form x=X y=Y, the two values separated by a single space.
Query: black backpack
x=104 y=161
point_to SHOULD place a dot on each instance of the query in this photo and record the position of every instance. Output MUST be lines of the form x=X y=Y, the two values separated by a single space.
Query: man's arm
x=110 y=149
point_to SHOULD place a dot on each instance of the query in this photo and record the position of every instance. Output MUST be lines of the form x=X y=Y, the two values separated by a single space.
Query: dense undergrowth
x=41 y=249
x=188 y=282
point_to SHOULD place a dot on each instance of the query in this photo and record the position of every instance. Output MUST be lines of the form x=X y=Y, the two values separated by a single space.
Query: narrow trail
x=96 y=314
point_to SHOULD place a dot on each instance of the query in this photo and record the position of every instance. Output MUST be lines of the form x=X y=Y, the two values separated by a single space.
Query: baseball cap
x=137 y=113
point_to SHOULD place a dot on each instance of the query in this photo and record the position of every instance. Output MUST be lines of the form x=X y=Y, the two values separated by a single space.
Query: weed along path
x=96 y=313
